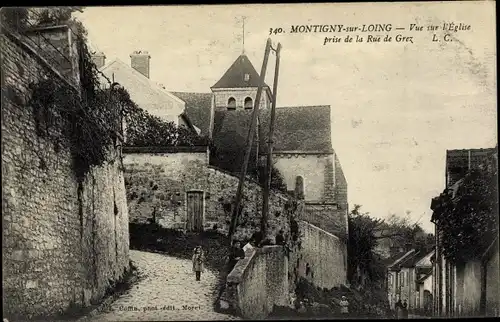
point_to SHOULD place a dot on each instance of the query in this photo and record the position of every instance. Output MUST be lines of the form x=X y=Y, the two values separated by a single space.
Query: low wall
x=326 y=255
x=258 y=283
x=157 y=184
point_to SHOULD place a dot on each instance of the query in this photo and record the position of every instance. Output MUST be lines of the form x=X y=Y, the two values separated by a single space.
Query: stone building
x=147 y=94
x=302 y=149
x=461 y=288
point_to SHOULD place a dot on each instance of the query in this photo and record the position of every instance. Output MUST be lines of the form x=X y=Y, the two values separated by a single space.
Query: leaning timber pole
x=249 y=143
x=267 y=187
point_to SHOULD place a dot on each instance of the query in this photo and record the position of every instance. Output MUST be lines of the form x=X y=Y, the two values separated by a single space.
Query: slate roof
x=198 y=106
x=402 y=261
x=298 y=128
x=235 y=75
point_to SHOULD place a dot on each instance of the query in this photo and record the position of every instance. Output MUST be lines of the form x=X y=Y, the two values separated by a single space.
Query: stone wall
x=327 y=216
x=157 y=184
x=258 y=282
x=222 y=96
x=326 y=255
x=63 y=242
x=292 y=165
x=468 y=292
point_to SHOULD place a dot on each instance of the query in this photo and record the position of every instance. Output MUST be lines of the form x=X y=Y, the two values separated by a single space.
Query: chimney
x=139 y=60
x=99 y=59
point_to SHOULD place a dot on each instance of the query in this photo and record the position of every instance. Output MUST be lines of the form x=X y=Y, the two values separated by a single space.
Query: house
x=424 y=282
x=147 y=94
x=398 y=278
x=466 y=285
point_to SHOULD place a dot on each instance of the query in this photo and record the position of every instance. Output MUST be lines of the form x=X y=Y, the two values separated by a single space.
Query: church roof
x=198 y=106
x=297 y=128
x=235 y=75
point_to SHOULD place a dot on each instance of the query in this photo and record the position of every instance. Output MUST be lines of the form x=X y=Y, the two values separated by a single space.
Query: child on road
x=198 y=259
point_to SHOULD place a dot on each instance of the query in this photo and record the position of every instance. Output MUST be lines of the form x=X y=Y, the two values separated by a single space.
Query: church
x=302 y=148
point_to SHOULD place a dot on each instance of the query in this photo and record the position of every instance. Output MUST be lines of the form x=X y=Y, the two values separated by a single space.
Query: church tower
x=237 y=88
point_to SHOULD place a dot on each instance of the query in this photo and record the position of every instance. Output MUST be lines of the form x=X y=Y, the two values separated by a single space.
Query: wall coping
x=166 y=149
x=238 y=273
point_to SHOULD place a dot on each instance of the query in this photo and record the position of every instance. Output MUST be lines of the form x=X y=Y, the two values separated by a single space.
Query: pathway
x=167 y=292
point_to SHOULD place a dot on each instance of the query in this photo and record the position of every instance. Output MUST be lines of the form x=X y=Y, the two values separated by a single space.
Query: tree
x=362 y=260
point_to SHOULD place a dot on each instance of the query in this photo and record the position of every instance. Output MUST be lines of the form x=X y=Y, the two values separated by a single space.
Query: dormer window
x=247 y=77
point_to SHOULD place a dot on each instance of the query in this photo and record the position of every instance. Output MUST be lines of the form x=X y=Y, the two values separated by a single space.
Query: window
x=248 y=103
x=247 y=77
x=231 y=103
x=299 y=187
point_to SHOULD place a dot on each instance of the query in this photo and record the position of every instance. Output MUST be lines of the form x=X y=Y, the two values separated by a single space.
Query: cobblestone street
x=168 y=291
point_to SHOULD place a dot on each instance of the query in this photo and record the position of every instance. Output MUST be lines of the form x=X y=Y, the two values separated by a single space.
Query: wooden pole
x=267 y=187
x=250 y=135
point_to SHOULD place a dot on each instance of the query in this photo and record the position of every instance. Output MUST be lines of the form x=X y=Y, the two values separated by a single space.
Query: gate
x=195 y=210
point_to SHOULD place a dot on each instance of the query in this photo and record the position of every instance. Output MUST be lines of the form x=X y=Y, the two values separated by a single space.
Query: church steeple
x=241 y=74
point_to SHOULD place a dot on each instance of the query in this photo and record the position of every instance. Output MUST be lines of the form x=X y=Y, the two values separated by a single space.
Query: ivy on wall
x=468 y=222
x=88 y=120
x=144 y=129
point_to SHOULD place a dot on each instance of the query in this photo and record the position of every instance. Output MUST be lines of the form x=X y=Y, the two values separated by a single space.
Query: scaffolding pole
x=267 y=187
x=249 y=143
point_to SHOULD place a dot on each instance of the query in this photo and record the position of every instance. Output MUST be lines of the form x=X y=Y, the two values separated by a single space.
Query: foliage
x=361 y=246
x=15 y=18
x=468 y=221
x=89 y=122
x=20 y=19
x=144 y=129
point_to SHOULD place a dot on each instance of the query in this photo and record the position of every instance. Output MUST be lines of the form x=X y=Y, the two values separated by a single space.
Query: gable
x=144 y=92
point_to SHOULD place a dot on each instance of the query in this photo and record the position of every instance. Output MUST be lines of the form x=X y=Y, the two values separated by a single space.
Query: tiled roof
x=198 y=106
x=229 y=137
x=299 y=128
x=235 y=75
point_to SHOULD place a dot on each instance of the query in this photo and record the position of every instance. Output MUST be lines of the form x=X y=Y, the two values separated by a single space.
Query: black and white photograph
x=295 y=161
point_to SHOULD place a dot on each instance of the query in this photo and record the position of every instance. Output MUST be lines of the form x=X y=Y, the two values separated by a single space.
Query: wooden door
x=195 y=211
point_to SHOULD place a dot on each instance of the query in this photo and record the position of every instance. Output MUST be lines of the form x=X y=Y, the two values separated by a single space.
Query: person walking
x=198 y=259
x=344 y=306
x=398 y=307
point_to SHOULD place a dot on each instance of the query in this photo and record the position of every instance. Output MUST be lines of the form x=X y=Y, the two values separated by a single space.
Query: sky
x=395 y=107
